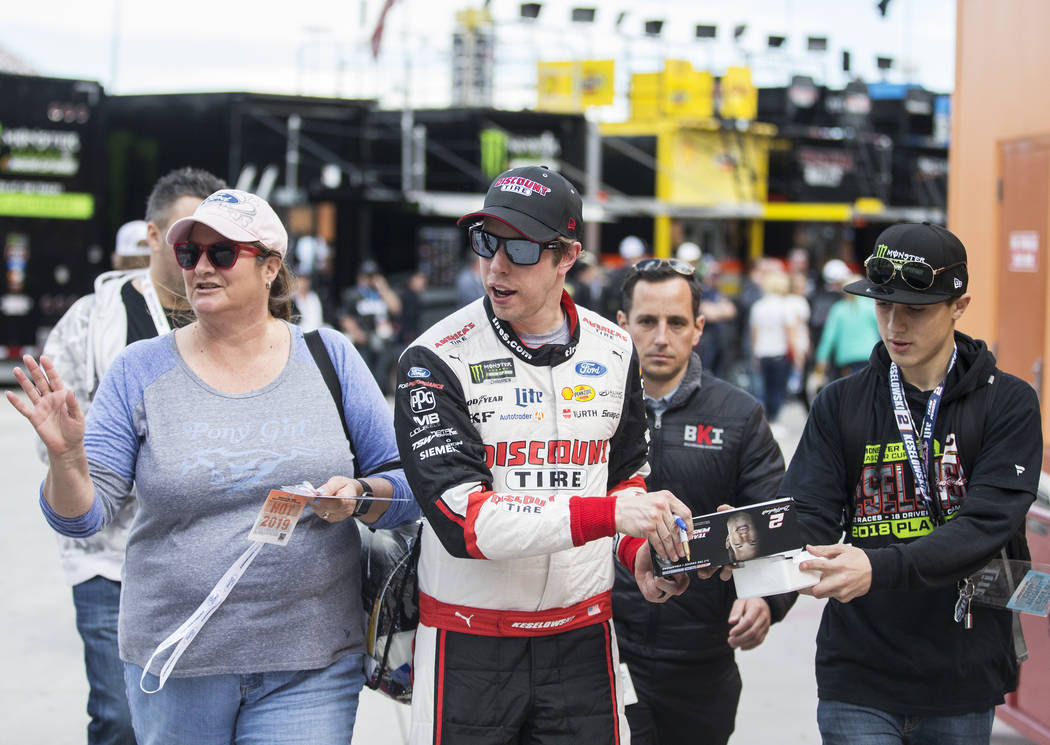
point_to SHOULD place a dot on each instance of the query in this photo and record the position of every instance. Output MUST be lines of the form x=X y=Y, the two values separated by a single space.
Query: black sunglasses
x=221 y=255
x=520 y=251
x=916 y=274
x=650 y=265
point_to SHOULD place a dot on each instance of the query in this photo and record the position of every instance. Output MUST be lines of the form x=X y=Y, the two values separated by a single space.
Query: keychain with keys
x=962 y=606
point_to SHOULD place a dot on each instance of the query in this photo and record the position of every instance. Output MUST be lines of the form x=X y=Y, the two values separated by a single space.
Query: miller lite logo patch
x=521 y=185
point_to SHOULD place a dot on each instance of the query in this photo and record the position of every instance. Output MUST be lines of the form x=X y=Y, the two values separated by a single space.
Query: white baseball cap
x=689 y=251
x=131 y=239
x=632 y=247
x=238 y=216
x=836 y=270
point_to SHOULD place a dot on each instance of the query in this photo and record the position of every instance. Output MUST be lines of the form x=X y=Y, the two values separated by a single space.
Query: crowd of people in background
x=764 y=331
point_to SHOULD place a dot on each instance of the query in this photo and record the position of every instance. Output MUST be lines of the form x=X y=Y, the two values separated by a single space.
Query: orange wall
x=1002 y=65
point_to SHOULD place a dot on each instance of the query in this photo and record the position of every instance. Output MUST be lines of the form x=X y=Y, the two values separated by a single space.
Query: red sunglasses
x=221 y=255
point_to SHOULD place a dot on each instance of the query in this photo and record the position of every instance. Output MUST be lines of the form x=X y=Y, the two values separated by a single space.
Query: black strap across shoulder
x=324 y=363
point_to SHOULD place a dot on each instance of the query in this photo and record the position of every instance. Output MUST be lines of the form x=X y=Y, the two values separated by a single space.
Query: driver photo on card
x=742 y=538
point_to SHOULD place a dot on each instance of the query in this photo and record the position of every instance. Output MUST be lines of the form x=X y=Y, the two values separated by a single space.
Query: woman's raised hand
x=52 y=409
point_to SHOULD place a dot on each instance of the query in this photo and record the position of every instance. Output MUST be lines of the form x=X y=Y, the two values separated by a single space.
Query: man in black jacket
x=933 y=480
x=709 y=444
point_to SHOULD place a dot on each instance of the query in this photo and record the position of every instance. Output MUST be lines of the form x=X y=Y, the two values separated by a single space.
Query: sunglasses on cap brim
x=220 y=255
x=520 y=251
x=918 y=275
x=681 y=267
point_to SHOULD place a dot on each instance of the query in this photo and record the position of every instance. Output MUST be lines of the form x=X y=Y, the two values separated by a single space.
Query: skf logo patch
x=704 y=436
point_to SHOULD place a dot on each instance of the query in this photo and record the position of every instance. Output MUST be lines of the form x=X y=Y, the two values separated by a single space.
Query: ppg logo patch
x=421 y=399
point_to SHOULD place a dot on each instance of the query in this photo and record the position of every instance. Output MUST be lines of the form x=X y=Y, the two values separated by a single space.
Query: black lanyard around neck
x=921 y=466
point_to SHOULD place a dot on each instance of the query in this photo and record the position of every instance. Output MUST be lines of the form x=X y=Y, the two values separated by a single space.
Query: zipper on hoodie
x=654 y=459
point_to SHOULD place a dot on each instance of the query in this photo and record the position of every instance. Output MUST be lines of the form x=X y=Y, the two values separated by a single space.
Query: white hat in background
x=689 y=251
x=632 y=247
x=836 y=270
x=131 y=239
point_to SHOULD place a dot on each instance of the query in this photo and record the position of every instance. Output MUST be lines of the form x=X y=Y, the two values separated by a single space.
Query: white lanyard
x=274 y=524
x=156 y=310
x=183 y=635
x=920 y=466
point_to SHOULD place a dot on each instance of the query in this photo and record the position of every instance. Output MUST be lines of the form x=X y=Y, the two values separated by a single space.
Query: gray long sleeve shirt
x=203 y=462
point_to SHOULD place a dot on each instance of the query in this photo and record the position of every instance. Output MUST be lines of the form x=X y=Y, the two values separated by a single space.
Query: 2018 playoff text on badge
x=737 y=536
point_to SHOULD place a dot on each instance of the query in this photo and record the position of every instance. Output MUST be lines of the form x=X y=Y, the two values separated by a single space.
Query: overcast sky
x=321 y=47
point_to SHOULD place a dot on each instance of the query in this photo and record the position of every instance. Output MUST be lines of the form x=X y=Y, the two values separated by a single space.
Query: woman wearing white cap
x=205 y=422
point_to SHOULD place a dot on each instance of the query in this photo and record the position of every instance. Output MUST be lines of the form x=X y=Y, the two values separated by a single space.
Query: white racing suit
x=516 y=456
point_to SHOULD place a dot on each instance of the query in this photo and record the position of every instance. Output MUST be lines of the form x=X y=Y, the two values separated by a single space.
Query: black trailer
x=52 y=184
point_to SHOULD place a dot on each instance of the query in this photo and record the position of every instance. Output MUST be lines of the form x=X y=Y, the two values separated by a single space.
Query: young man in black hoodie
x=928 y=459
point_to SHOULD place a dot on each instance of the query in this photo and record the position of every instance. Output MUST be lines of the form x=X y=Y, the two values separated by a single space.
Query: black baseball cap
x=534 y=200
x=926 y=243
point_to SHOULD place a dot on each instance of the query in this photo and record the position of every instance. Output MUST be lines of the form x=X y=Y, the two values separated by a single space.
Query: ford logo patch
x=222 y=196
x=590 y=369
x=418 y=372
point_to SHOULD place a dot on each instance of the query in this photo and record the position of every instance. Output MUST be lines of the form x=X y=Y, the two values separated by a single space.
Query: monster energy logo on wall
x=493 y=152
x=501 y=150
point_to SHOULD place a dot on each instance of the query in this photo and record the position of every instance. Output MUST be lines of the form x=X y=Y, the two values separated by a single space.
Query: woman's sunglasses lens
x=187 y=254
x=919 y=276
x=222 y=255
x=880 y=271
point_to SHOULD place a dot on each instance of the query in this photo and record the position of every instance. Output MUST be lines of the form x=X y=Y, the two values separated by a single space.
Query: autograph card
x=737 y=536
x=278 y=517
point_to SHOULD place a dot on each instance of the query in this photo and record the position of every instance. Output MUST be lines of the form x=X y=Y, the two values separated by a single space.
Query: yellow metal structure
x=678 y=91
x=702 y=163
x=573 y=86
x=739 y=98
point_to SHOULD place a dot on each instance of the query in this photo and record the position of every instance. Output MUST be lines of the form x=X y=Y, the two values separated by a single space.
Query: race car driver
x=522 y=430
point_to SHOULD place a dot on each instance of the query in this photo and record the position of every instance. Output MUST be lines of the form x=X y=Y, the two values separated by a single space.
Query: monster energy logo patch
x=881 y=249
x=493 y=152
x=492 y=370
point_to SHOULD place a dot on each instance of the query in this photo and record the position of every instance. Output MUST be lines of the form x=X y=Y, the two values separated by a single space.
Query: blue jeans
x=841 y=724
x=97 y=602
x=775 y=372
x=304 y=707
